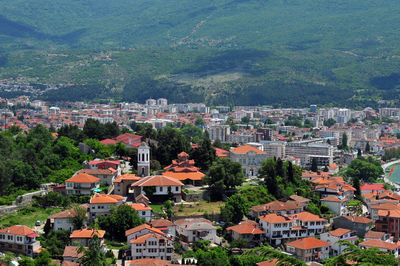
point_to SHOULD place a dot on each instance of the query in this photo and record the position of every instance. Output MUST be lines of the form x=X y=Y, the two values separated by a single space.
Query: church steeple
x=143 y=166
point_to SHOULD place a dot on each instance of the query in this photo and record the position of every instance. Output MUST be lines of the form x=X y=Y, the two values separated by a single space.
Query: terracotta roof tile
x=142 y=239
x=196 y=176
x=142 y=227
x=358 y=219
x=158 y=180
x=161 y=223
x=246 y=228
x=87 y=233
x=378 y=244
x=339 y=232
x=308 y=243
x=83 y=178
x=20 y=230
x=374 y=235
x=150 y=262
x=274 y=218
x=139 y=206
x=72 y=251
x=245 y=149
x=104 y=198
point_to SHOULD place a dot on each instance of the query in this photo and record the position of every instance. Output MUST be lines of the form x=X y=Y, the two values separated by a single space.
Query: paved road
x=386 y=165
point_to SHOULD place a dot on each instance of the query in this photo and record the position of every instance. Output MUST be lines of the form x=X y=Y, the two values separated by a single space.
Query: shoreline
x=385 y=178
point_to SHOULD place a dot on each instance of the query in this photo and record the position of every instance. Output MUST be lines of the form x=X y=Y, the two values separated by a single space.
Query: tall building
x=220 y=132
x=162 y=102
x=143 y=166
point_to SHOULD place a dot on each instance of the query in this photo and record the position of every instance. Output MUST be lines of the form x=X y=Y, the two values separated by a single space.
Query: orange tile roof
x=142 y=239
x=246 y=228
x=274 y=218
x=339 y=232
x=72 y=251
x=103 y=198
x=385 y=206
x=308 y=243
x=87 y=233
x=161 y=223
x=142 y=227
x=307 y=216
x=358 y=219
x=126 y=177
x=374 y=235
x=83 y=178
x=389 y=213
x=334 y=199
x=20 y=230
x=196 y=176
x=139 y=206
x=150 y=262
x=268 y=263
x=378 y=244
x=245 y=149
x=158 y=180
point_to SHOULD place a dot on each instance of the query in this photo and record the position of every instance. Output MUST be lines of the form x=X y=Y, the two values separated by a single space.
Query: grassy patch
x=115 y=245
x=27 y=216
x=198 y=208
x=157 y=208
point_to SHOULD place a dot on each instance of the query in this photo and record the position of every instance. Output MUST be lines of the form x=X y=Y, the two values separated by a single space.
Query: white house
x=152 y=245
x=143 y=211
x=333 y=237
x=162 y=186
x=276 y=227
x=19 y=239
x=335 y=204
x=381 y=245
x=309 y=249
x=166 y=226
x=141 y=230
x=100 y=204
x=83 y=236
x=62 y=220
x=82 y=184
x=195 y=229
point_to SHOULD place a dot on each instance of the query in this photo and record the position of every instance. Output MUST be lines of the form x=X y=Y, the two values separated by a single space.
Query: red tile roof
x=195 y=176
x=378 y=244
x=140 y=228
x=142 y=239
x=87 y=233
x=158 y=180
x=274 y=218
x=103 y=198
x=83 y=178
x=20 y=230
x=307 y=216
x=139 y=206
x=246 y=228
x=72 y=251
x=339 y=232
x=161 y=223
x=372 y=187
x=358 y=219
x=245 y=149
x=150 y=262
x=308 y=243
x=126 y=177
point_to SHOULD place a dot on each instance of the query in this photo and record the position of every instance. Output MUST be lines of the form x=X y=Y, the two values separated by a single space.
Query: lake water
x=395 y=177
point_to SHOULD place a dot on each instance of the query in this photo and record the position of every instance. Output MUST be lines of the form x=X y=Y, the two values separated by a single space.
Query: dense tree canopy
x=365 y=168
x=236 y=207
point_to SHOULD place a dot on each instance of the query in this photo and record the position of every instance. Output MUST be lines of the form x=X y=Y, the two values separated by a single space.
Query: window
x=143 y=213
x=161 y=189
x=176 y=188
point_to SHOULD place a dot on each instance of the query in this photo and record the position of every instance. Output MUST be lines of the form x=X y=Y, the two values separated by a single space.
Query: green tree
x=329 y=122
x=169 y=209
x=236 y=207
x=314 y=164
x=55 y=241
x=43 y=258
x=367 y=148
x=359 y=153
x=212 y=257
x=223 y=176
x=204 y=155
x=365 y=168
x=7 y=258
x=26 y=261
x=269 y=173
x=72 y=132
x=199 y=122
x=121 y=218
x=93 y=255
x=79 y=218
x=343 y=145
x=356 y=185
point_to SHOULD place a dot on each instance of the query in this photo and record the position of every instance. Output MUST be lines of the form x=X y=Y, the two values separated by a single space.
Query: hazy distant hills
x=251 y=51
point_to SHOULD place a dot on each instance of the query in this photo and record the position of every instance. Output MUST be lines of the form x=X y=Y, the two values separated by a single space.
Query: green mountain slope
x=247 y=52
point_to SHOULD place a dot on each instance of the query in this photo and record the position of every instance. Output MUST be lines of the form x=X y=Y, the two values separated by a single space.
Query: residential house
x=389 y=222
x=100 y=204
x=82 y=184
x=372 y=188
x=333 y=237
x=309 y=249
x=195 y=229
x=278 y=207
x=381 y=245
x=152 y=245
x=83 y=236
x=72 y=254
x=247 y=230
x=166 y=226
x=383 y=207
x=149 y=262
x=250 y=157
x=375 y=235
x=103 y=165
x=359 y=224
x=123 y=183
x=143 y=211
x=314 y=224
x=184 y=170
x=62 y=220
x=19 y=239
x=141 y=230
x=161 y=188
x=277 y=228
x=336 y=204
x=106 y=176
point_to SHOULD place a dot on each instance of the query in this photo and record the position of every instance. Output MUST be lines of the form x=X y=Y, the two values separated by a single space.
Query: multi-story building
x=250 y=157
x=333 y=237
x=309 y=249
x=163 y=188
x=19 y=239
x=152 y=245
x=389 y=222
x=359 y=224
x=82 y=184
x=247 y=230
x=337 y=205
x=106 y=176
x=62 y=220
x=274 y=149
x=306 y=150
x=100 y=204
x=165 y=226
x=83 y=236
x=123 y=183
x=141 y=230
x=195 y=229
x=381 y=245
x=143 y=211
x=219 y=132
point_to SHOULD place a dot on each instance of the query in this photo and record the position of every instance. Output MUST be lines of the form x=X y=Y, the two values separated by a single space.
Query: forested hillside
x=219 y=51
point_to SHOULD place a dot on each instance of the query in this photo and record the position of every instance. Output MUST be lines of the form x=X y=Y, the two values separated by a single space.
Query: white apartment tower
x=143 y=166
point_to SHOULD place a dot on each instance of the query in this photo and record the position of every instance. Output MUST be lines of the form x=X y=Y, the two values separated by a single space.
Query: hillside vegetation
x=343 y=52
